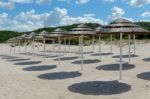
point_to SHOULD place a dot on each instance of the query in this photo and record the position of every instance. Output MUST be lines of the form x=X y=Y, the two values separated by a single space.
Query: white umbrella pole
x=82 y=52
x=54 y=44
x=93 y=43
x=19 y=46
x=14 y=46
x=129 y=48
x=59 y=49
x=100 y=47
x=44 y=48
x=38 y=45
x=120 y=56
x=33 y=46
x=10 y=48
x=69 y=44
x=111 y=43
x=79 y=46
x=134 y=43
x=65 y=43
x=25 y=46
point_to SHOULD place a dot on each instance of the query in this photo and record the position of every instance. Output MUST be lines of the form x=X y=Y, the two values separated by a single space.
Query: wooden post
x=93 y=43
x=120 y=56
x=134 y=43
x=100 y=47
x=82 y=60
x=44 y=48
x=19 y=46
x=111 y=43
x=59 y=49
x=129 y=48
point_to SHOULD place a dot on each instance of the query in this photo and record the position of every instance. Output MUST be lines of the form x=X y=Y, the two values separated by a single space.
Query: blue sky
x=27 y=15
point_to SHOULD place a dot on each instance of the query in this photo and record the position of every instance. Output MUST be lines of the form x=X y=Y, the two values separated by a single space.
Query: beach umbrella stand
x=100 y=48
x=123 y=27
x=69 y=43
x=44 y=48
x=93 y=43
x=80 y=31
x=111 y=43
x=134 y=43
x=120 y=56
x=129 y=36
x=59 y=50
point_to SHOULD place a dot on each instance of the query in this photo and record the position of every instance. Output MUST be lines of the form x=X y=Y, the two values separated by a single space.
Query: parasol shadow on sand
x=40 y=68
x=4 y=55
x=66 y=58
x=8 y=56
x=28 y=53
x=86 y=61
x=59 y=75
x=102 y=54
x=146 y=59
x=84 y=52
x=144 y=76
x=48 y=56
x=28 y=63
x=100 y=87
x=21 y=59
x=125 y=56
x=115 y=67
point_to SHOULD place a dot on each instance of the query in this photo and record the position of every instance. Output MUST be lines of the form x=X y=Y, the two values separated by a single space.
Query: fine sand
x=28 y=76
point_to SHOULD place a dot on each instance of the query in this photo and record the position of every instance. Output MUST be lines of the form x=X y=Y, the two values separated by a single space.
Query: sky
x=28 y=15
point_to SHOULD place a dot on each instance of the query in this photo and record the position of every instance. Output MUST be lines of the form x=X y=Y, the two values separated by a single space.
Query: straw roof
x=42 y=35
x=57 y=33
x=14 y=39
x=81 y=29
x=123 y=26
x=33 y=34
x=24 y=35
x=98 y=28
x=11 y=40
x=29 y=37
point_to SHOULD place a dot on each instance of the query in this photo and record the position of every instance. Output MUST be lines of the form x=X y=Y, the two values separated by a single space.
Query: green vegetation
x=5 y=35
x=145 y=25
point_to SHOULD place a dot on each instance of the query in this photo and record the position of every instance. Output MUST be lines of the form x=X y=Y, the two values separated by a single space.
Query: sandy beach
x=28 y=76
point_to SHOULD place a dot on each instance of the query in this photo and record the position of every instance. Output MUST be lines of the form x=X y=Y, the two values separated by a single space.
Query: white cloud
x=109 y=0
x=30 y=20
x=43 y=1
x=22 y=1
x=82 y=1
x=116 y=13
x=146 y=14
x=3 y=17
x=139 y=3
x=89 y=15
x=7 y=5
x=68 y=1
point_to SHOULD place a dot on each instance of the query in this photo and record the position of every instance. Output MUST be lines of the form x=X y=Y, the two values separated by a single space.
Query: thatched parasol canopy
x=42 y=35
x=29 y=37
x=98 y=28
x=57 y=33
x=22 y=37
x=33 y=34
x=122 y=26
x=81 y=29
x=11 y=40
